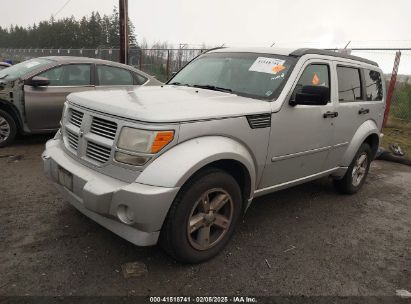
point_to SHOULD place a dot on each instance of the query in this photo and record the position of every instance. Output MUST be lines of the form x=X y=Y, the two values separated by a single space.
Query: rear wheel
x=8 y=129
x=357 y=172
x=203 y=217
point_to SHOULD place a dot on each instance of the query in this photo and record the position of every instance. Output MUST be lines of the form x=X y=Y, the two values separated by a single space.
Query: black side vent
x=259 y=121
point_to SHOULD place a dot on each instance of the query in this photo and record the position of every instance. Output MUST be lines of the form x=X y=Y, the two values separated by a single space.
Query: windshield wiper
x=180 y=84
x=5 y=75
x=211 y=87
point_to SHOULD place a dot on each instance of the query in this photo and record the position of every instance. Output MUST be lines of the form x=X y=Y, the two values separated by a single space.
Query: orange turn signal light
x=163 y=138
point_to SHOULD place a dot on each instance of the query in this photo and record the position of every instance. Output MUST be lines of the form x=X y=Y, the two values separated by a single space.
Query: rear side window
x=108 y=75
x=373 y=85
x=349 y=84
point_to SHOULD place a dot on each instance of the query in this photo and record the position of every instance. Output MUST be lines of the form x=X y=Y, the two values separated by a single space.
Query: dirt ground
x=307 y=240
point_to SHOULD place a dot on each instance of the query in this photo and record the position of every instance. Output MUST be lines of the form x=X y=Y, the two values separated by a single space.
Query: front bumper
x=104 y=199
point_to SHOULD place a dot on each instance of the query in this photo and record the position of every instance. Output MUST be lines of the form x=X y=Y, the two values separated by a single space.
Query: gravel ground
x=307 y=240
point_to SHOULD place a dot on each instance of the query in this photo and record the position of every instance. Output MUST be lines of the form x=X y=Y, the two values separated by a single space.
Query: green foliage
x=92 y=32
x=401 y=102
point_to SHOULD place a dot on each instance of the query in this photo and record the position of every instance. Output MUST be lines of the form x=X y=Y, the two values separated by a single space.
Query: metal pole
x=123 y=4
x=391 y=87
x=168 y=65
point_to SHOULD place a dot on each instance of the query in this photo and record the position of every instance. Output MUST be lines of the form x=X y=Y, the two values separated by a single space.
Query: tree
x=87 y=32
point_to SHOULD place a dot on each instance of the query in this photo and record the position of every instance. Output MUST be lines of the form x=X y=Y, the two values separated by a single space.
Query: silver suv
x=180 y=164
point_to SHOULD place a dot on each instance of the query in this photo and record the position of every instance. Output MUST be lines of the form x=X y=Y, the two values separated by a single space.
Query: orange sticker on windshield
x=278 y=68
x=315 y=80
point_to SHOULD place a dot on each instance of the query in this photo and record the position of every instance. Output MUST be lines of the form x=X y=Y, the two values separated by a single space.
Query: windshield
x=23 y=68
x=253 y=75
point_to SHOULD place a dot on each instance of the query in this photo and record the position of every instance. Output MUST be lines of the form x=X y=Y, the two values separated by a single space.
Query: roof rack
x=304 y=51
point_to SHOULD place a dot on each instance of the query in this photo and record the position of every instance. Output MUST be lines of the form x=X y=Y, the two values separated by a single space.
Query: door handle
x=330 y=114
x=363 y=111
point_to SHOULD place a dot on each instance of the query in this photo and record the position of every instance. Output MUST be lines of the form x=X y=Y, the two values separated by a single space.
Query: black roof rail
x=305 y=51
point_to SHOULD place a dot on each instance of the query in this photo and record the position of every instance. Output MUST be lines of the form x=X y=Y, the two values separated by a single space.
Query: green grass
x=398 y=132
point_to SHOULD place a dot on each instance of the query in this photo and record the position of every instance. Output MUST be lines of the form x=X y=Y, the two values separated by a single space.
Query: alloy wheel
x=359 y=169
x=210 y=219
x=4 y=129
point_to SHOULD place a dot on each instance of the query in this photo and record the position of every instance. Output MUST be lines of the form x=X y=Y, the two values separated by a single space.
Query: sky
x=292 y=23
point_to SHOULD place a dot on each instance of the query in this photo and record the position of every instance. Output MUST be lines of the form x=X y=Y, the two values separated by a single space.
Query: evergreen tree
x=92 y=32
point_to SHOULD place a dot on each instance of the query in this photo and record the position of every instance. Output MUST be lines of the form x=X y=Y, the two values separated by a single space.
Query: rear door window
x=108 y=75
x=373 y=85
x=349 y=84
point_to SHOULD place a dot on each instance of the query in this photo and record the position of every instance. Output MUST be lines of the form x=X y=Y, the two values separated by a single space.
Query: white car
x=181 y=163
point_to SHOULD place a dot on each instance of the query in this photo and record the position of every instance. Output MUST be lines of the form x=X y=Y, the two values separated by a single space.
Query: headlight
x=144 y=141
x=140 y=141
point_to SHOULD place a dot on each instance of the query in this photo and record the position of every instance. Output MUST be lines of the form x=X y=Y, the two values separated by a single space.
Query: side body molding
x=367 y=128
x=177 y=165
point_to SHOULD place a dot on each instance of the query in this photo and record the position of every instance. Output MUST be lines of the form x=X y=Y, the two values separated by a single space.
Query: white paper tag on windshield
x=32 y=64
x=267 y=65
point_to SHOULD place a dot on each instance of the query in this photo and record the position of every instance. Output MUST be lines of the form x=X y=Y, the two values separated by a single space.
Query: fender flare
x=177 y=165
x=366 y=129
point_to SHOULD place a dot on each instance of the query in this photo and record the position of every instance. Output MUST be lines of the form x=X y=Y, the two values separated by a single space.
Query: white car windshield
x=252 y=75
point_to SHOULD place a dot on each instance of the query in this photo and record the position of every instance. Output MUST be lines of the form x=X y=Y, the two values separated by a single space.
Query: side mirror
x=38 y=81
x=312 y=96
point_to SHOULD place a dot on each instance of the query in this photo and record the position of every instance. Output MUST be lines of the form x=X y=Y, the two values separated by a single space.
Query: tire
x=357 y=172
x=206 y=237
x=8 y=129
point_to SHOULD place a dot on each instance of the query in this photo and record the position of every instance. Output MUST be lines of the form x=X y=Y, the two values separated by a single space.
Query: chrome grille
x=89 y=136
x=98 y=152
x=72 y=140
x=103 y=128
x=76 y=117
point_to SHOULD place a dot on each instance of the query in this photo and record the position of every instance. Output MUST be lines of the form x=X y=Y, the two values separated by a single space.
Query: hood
x=6 y=81
x=169 y=103
x=5 y=78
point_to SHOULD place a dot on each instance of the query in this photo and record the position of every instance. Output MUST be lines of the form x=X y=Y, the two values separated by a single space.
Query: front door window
x=68 y=75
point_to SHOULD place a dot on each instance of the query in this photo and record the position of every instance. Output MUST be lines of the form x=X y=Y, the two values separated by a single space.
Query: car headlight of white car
x=134 y=142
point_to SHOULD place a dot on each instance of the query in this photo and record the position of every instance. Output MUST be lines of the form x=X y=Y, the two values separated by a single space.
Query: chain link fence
x=161 y=63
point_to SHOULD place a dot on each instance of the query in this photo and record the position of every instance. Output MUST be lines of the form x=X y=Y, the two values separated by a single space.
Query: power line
x=65 y=4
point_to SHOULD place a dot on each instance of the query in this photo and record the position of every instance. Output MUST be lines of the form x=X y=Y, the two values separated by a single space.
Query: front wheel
x=8 y=129
x=357 y=172
x=203 y=216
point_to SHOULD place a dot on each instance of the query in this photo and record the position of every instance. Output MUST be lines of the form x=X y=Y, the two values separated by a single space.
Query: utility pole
x=391 y=87
x=123 y=4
